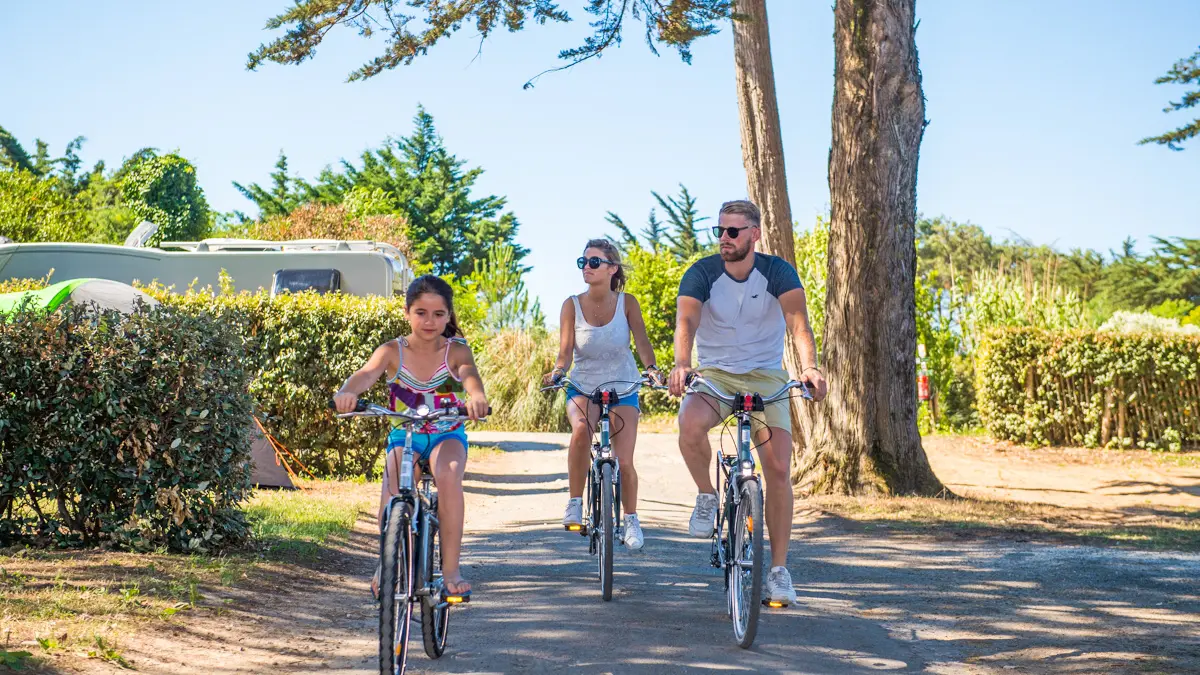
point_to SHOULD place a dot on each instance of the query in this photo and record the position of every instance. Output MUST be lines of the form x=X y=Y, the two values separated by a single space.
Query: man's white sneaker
x=634 y=540
x=779 y=587
x=704 y=516
x=574 y=514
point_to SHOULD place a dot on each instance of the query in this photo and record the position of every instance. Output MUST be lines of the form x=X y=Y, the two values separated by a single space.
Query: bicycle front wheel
x=746 y=564
x=435 y=614
x=395 y=590
x=606 y=531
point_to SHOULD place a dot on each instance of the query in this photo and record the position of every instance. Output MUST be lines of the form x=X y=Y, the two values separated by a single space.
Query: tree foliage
x=1121 y=280
x=413 y=27
x=679 y=235
x=163 y=190
x=1185 y=71
x=59 y=200
x=415 y=178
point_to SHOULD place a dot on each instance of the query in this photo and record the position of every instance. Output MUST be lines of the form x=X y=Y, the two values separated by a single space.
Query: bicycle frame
x=733 y=470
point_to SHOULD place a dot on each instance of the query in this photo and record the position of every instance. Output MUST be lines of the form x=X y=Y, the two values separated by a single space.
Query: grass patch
x=1159 y=530
x=298 y=523
x=81 y=603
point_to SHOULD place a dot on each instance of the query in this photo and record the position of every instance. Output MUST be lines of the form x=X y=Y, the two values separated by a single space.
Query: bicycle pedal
x=457 y=599
x=774 y=604
x=575 y=527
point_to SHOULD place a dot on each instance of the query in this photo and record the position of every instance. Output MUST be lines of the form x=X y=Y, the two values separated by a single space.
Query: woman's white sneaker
x=574 y=514
x=634 y=540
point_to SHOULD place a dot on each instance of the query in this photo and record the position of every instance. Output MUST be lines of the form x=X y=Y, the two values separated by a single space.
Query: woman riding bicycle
x=431 y=366
x=595 y=327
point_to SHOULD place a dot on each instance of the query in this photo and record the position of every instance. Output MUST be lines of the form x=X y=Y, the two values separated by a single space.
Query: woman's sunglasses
x=717 y=231
x=593 y=262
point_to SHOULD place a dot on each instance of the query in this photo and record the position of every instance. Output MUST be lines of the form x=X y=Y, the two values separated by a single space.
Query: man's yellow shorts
x=764 y=382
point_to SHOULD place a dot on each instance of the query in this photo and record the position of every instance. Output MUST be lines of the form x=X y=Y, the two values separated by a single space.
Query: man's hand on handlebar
x=679 y=377
x=815 y=379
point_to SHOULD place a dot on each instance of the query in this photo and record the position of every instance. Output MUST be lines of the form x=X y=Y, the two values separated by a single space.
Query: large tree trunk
x=762 y=153
x=865 y=437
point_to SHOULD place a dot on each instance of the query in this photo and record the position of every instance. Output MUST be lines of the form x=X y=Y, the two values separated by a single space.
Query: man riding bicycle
x=737 y=307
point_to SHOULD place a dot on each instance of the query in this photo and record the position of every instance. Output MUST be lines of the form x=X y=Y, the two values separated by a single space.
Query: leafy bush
x=654 y=280
x=332 y=221
x=812 y=264
x=1090 y=388
x=127 y=429
x=31 y=210
x=19 y=285
x=301 y=348
x=163 y=190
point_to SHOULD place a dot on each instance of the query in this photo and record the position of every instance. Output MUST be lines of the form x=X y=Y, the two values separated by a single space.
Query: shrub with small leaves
x=129 y=429
x=1090 y=388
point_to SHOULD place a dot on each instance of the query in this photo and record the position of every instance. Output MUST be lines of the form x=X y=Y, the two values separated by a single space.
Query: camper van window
x=295 y=281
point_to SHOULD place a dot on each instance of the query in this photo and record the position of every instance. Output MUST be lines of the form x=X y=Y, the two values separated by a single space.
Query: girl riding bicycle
x=430 y=366
x=595 y=328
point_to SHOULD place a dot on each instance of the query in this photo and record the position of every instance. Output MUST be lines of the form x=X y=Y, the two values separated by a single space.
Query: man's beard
x=736 y=255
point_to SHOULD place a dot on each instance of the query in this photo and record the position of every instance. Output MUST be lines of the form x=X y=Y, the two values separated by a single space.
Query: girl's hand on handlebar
x=552 y=377
x=345 y=402
x=477 y=408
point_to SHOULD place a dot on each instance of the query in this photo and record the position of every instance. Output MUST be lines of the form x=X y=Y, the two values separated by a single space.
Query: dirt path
x=871 y=600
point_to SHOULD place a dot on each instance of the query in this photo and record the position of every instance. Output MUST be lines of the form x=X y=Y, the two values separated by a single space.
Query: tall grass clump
x=512 y=364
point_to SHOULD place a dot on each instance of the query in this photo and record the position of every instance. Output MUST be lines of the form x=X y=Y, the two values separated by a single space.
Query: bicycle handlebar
x=363 y=408
x=564 y=382
x=695 y=379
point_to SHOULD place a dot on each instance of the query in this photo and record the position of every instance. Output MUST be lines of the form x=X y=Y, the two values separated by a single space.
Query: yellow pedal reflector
x=750 y=523
x=574 y=528
x=774 y=604
x=454 y=599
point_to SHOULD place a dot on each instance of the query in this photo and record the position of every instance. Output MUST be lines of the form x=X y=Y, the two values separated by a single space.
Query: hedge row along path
x=871 y=599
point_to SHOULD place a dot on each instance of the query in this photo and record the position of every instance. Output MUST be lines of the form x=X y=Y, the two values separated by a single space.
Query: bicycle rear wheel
x=395 y=590
x=745 y=589
x=435 y=614
x=606 y=531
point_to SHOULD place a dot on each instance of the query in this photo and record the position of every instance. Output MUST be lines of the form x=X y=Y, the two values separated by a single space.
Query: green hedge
x=301 y=347
x=1090 y=388
x=126 y=430
x=304 y=345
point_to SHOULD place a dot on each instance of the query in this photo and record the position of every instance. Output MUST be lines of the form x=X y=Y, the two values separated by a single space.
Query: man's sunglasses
x=593 y=262
x=717 y=231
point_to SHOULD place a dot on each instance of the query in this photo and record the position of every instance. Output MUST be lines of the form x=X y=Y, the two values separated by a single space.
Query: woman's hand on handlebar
x=345 y=402
x=552 y=377
x=655 y=376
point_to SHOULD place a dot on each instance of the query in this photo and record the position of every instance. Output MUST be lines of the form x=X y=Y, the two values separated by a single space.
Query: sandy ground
x=871 y=599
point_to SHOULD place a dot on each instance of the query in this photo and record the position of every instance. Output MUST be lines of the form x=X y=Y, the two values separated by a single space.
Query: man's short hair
x=742 y=207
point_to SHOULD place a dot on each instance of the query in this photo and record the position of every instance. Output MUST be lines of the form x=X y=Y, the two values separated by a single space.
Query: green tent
x=107 y=294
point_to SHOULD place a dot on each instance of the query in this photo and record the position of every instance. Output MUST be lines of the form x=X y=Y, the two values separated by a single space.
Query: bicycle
x=602 y=516
x=409 y=526
x=737 y=541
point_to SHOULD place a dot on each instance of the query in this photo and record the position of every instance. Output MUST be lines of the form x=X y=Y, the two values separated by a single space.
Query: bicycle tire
x=435 y=619
x=396 y=576
x=606 y=531
x=748 y=527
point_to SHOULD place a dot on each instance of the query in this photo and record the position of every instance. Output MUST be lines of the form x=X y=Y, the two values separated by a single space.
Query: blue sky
x=1035 y=110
